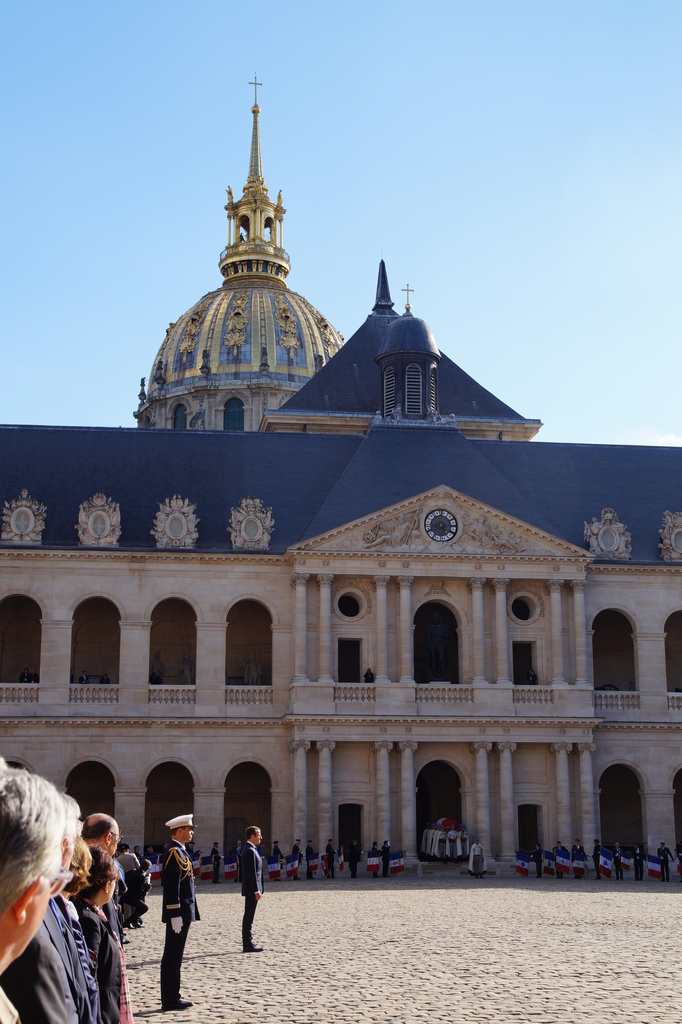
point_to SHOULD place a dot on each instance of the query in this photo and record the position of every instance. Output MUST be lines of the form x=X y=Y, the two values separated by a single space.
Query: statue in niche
x=437 y=639
x=253 y=675
x=186 y=671
x=158 y=669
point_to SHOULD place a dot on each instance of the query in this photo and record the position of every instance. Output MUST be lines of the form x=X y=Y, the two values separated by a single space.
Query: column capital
x=583 y=747
x=381 y=582
x=555 y=586
x=383 y=745
x=299 y=745
x=500 y=583
x=481 y=745
x=325 y=744
x=506 y=745
x=578 y=585
x=299 y=577
x=325 y=579
x=405 y=582
x=408 y=745
x=476 y=582
x=558 y=747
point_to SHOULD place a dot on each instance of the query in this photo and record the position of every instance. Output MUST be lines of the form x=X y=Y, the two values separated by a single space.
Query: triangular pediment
x=443 y=521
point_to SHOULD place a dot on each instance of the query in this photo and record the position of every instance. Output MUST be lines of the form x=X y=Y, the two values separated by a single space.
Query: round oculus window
x=440 y=525
x=252 y=528
x=98 y=525
x=348 y=605
x=676 y=541
x=22 y=520
x=521 y=609
x=608 y=539
x=176 y=527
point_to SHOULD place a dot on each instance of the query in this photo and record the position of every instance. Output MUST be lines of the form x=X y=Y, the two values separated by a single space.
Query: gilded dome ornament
x=287 y=324
x=23 y=520
x=237 y=322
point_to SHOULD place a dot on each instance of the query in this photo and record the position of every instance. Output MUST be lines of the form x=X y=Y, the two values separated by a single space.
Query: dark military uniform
x=178 y=901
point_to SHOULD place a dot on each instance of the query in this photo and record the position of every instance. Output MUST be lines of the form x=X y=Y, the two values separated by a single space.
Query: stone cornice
x=636 y=569
x=159 y=557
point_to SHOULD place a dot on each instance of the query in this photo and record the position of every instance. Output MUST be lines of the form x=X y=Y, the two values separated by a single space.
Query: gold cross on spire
x=255 y=85
x=408 y=289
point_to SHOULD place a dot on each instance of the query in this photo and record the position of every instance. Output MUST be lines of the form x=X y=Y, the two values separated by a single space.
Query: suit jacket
x=178 y=886
x=33 y=983
x=252 y=870
x=106 y=960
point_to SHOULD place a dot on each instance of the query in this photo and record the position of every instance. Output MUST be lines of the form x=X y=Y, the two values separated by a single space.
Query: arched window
x=413 y=390
x=389 y=390
x=243 y=229
x=180 y=418
x=233 y=417
x=267 y=230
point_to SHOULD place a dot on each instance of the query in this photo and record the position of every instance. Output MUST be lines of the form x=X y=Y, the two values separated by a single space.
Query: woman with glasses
x=106 y=953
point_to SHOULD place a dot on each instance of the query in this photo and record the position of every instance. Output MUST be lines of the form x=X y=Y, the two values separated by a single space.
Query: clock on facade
x=441 y=525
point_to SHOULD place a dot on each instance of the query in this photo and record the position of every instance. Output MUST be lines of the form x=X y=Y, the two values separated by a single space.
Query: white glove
x=176 y=924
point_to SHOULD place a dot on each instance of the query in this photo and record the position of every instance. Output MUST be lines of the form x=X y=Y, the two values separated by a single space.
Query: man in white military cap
x=179 y=910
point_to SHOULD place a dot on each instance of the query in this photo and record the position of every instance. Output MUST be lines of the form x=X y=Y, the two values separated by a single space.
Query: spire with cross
x=408 y=290
x=255 y=161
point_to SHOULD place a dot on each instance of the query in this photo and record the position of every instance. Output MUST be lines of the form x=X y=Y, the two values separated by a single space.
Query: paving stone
x=410 y=951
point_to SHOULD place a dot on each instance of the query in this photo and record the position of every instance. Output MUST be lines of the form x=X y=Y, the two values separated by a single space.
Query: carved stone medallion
x=251 y=525
x=99 y=522
x=175 y=525
x=23 y=520
x=671 y=537
x=608 y=537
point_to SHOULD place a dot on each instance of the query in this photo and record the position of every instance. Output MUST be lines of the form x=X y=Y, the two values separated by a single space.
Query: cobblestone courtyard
x=444 y=948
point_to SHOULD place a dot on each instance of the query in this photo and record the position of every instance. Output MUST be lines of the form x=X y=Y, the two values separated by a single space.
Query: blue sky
x=518 y=163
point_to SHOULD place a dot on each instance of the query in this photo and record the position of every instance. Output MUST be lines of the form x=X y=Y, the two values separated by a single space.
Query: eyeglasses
x=59 y=882
x=116 y=836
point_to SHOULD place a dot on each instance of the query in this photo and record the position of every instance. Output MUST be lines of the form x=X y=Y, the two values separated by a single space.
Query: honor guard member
x=179 y=909
x=296 y=852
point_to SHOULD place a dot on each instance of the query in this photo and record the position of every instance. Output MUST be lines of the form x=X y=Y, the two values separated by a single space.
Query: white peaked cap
x=182 y=819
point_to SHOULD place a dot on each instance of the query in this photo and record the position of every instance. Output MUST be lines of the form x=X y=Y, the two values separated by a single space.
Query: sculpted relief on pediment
x=443 y=522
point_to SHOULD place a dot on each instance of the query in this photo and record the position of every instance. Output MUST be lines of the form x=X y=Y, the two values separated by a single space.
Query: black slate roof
x=319 y=482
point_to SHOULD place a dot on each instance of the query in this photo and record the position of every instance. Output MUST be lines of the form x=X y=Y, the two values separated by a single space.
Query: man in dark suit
x=179 y=910
x=252 y=885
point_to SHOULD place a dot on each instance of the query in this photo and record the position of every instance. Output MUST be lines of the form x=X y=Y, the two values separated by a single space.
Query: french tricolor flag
x=522 y=863
x=274 y=870
x=563 y=861
x=325 y=868
x=654 y=864
x=292 y=866
x=605 y=862
x=372 y=863
x=314 y=862
x=626 y=861
x=155 y=872
x=206 y=868
x=547 y=862
x=579 y=865
x=396 y=863
x=231 y=868
x=341 y=860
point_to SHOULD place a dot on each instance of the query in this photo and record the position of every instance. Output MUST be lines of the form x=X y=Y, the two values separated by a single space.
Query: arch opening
x=673 y=652
x=180 y=418
x=169 y=787
x=439 y=795
x=620 y=807
x=613 y=652
x=173 y=643
x=20 y=636
x=233 y=415
x=248 y=655
x=436 y=646
x=95 y=641
x=247 y=802
x=91 y=784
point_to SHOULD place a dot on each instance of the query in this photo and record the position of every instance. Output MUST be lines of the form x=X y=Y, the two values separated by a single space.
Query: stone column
x=55 y=661
x=381 y=585
x=580 y=635
x=300 y=749
x=209 y=815
x=299 y=582
x=406 y=671
x=129 y=808
x=324 y=792
x=210 y=666
x=557 y=633
x=587 y=793
x=501 y=637
x=476 y=585
x=382 y=748
x=325 y=640
x=507 y=846
x=133 y=664
x=563 y=792
x=408 y=801
x=482 y=830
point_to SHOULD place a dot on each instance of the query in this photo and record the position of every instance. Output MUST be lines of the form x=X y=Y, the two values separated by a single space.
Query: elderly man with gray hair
x=32 y=825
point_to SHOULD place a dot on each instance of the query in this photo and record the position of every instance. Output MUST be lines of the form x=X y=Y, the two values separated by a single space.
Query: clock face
x=441 y=525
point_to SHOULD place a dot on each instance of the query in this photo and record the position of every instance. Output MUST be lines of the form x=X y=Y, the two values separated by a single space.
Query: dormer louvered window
x=413 y=390
x=432 y=391
x=389 y=390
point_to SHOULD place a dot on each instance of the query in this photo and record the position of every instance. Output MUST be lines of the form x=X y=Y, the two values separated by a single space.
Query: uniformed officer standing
x=179 y=910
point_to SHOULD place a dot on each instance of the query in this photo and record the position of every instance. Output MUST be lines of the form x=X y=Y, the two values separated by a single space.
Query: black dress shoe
x=253 y=949
x=179 y=1004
